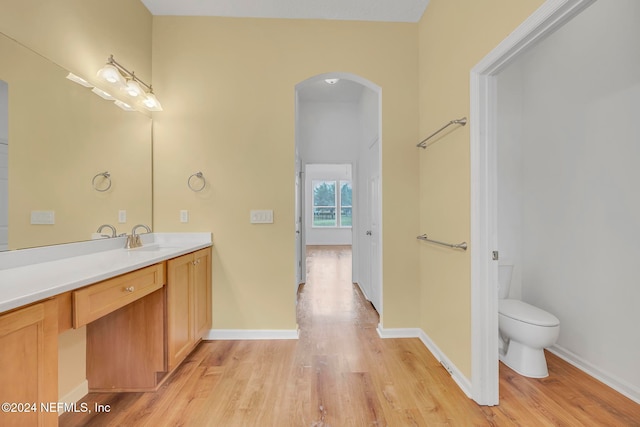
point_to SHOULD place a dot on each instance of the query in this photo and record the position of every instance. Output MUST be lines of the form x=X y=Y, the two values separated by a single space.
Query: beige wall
x=60 y=134
x=454 y=35
x=78 y=35
x=56 y=149
x=227 y=87
x=72 y=360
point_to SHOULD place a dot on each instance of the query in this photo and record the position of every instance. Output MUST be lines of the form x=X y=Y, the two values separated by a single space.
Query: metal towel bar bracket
x=106 y=177
x=193 y=184
x=462 y=122
x=462 y=245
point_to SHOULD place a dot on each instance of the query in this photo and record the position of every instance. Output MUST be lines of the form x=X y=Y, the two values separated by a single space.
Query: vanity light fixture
x=117 y=75
x=135 y=94
x=331 y=81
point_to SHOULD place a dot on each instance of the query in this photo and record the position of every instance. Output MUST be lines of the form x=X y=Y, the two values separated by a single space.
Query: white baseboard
x=362 y=290
x=398 y=332
x=462 y=381
x=458 y=377
x=251 y=334
x=621 y=386
x=80 y=391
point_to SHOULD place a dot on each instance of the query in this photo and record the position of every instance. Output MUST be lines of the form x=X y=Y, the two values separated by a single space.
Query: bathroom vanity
x=144 y=309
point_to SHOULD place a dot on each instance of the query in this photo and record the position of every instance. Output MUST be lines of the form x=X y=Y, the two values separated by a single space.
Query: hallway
x=340 y=373
x=355 y=378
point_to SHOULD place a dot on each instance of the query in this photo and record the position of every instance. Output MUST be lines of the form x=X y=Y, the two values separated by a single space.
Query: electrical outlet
x=43 y=217
x=184 y=216
x=122 y=216
x=261 y=217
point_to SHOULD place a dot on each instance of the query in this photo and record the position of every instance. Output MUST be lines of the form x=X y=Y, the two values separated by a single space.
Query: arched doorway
x=338 y=123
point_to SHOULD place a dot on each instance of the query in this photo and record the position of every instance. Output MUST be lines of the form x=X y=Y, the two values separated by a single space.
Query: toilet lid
x=523 y=312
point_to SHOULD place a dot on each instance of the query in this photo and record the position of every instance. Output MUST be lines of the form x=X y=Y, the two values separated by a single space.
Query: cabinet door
x=179 y=297
x=29 y=365
x=202 y=292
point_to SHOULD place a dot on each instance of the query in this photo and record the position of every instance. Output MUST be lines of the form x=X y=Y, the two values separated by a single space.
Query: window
x=324 y=204
x=327 y=202
x=346 y=212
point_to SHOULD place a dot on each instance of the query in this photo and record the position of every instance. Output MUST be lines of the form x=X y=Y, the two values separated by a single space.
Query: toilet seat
x=523 y=312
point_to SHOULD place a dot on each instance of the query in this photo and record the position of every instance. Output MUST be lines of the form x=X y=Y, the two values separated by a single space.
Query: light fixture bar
x=118 y=77
x=130 y=74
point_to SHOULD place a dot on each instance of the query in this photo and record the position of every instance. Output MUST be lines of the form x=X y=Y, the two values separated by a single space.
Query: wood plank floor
x=340 y=373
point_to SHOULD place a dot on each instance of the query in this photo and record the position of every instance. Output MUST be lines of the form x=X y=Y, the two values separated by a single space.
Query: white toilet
x=525 y=331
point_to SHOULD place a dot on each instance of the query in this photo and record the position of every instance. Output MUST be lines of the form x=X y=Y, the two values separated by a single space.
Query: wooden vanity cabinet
x=188 y=303
x=143 y=324
x=29 y=365
x=140 y=327
x=125 y=330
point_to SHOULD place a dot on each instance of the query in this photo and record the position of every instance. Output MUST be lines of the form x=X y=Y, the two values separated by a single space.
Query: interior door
x=374 y=231
x=300 y=246
x=363 y=230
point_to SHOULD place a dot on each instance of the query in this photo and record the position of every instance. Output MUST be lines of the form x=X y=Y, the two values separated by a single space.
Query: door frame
x=357 y=227
x=552 y=15
x=299 y=236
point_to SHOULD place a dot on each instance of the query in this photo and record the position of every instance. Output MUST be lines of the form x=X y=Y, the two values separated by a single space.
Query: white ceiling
x=356 y=10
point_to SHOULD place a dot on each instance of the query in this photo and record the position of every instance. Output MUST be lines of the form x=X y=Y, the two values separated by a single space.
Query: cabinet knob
x=130 y=289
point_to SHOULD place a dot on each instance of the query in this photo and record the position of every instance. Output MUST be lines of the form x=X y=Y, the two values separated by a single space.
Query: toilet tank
x=504 y=280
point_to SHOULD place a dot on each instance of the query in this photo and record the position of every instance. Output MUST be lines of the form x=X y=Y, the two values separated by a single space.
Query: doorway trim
x=357 y=167
x=552 y=15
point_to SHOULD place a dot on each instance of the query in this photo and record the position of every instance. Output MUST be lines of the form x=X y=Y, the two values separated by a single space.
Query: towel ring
x=191 y=184
x=107 y=177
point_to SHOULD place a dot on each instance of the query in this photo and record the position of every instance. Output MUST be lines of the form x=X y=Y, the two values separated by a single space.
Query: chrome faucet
x=133 y=241
x=111 y=227
x=146 y=227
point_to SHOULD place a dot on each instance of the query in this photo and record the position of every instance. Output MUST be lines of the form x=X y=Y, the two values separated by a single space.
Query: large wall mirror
x=55 y=137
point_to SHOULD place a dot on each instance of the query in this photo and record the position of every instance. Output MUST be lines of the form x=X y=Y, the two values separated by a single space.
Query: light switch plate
x=43 y=217
x=262 y=217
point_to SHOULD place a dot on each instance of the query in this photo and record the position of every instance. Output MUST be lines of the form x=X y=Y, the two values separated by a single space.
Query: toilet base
x=527 y=361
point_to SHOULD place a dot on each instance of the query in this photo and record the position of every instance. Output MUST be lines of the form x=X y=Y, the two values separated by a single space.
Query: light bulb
x=111 y=74
x=133 y=88
x=151 y=103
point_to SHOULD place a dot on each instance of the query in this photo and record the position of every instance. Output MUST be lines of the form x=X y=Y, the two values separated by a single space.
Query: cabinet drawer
x=98 y=300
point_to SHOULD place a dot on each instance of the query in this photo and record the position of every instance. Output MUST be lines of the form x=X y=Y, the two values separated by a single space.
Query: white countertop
x=30 y=275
